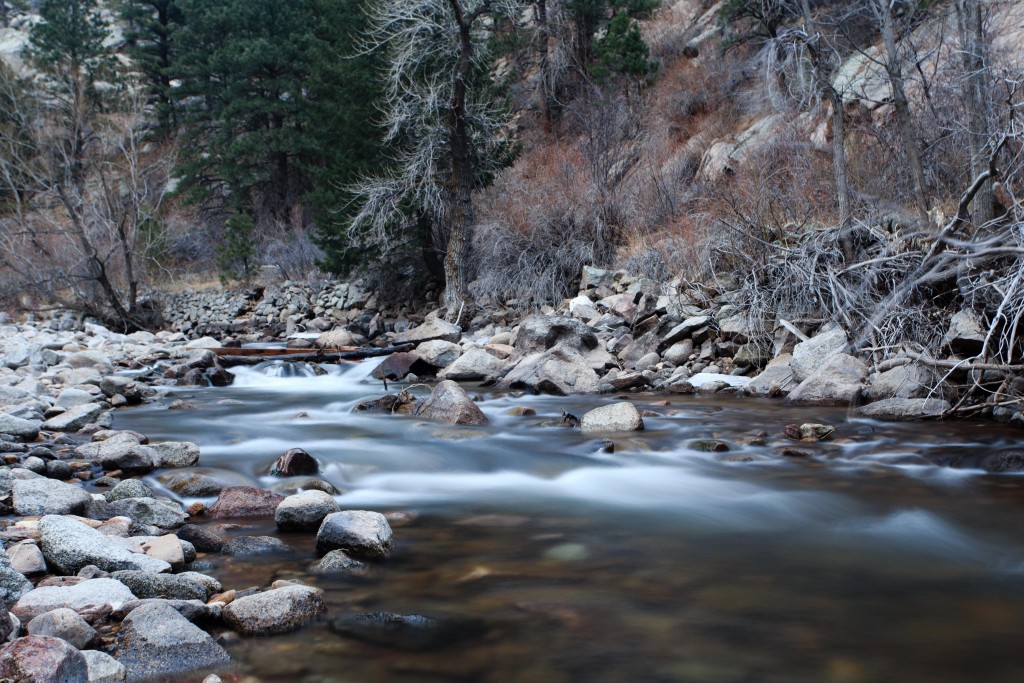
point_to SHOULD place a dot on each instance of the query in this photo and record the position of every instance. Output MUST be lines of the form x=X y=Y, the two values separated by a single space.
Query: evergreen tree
x=68 y=39
x=150 y=32
x=623 y=52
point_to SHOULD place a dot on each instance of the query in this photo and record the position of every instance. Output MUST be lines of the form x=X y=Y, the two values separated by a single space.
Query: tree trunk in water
x=975 y=83
x=902 y=106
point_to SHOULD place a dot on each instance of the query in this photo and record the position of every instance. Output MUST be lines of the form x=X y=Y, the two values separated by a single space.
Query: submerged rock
x=156 y=641
x=338 y=562
x=245 y=501
x=276 y=611
x=254 y=545
x=407 y=631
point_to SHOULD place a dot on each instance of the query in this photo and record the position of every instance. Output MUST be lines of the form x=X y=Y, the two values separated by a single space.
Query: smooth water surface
x=870 y=560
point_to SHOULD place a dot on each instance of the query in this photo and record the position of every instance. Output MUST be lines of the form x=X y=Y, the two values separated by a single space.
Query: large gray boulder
x=966 y=333
x=63 y=623
x=304 y=511
x=560 y=371
x=449 y=403
x=95 y=596
x=68 y=545
x=474 y=364
x=169 y=586
x=837 y=383
x=48 y=497
x=905 y=409
x=811 y=355
x=542 y=332
x=275 y=611
x=158 y=513
x=438 y=352
x=431 y=329
x=74 y=418
x=176 y=453
x=155 y=641
x=616 y=417
x=905 y=381
x=777 y=379
x=42 y=659
x=122 y=451
x=19 y=428
x=362 y=534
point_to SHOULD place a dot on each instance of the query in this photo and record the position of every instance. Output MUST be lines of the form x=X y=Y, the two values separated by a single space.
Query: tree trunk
x=461 y=183
x=547 y=85
x=976 y=90
x=902 y=106
x=839 y=166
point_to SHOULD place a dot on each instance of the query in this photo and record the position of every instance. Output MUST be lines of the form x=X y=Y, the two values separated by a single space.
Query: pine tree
x=150 y=31
x=623 y=52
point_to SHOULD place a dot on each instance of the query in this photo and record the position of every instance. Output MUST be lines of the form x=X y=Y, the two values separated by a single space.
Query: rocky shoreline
x=102 y=579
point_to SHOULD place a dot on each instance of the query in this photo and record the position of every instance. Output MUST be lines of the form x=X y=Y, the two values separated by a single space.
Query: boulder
x=837 y=383
x=19 y=428
x=42 y=659
x=398 y=365
x=448 y=403
x=176 y=453
x=13 y=583
x=362 y=534
x=129 y=488
x=205 y=541
x=63 y=623
x=560 y=371
x=439 y=353
x=48 y=497
x=88 y=598
x=304 y=511
x=103 y=668
x=684 y=330
x=433 y=328
x=276 y=611
x=295 y=462
x=678 y=353
x=616 y=417
x=475 y=364
x=122 y=451
x=966 y=333
x=155 y=641
x=811 y=355
x=539 y=333
x=169 y=586
x=191 y=484
x=245 y=501
x=68 y=545
x=905 y=381
x=158 y=513
x=337 y=338
x=74 y=418
x=777 y=379
x=905 y=409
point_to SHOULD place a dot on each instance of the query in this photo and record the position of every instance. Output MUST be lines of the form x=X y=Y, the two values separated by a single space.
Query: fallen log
x=309 y=356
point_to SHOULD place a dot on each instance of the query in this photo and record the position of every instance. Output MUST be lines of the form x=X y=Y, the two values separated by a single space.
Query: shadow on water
x=865 y=559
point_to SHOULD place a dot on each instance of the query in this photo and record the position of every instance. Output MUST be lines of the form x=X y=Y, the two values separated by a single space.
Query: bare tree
x=447 y=128
x=970 y=24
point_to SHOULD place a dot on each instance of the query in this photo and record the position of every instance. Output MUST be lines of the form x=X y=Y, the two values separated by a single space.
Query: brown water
x=871 y=560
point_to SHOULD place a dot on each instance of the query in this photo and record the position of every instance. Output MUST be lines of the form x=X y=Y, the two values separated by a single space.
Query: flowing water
x=870 y=560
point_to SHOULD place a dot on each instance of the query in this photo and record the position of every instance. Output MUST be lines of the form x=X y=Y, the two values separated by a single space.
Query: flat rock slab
x=94 y=596
x=431 y=329
x=245 y=501
x=74 y=418
x=275 y=611
x=68 y=545
x=905 y=409
x=171 y=586
x=42 y=659
x=48 y=497
x=360 y=533
x=156 y=641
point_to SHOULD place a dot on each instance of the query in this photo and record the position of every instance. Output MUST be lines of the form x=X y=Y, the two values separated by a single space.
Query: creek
x=869 y=558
